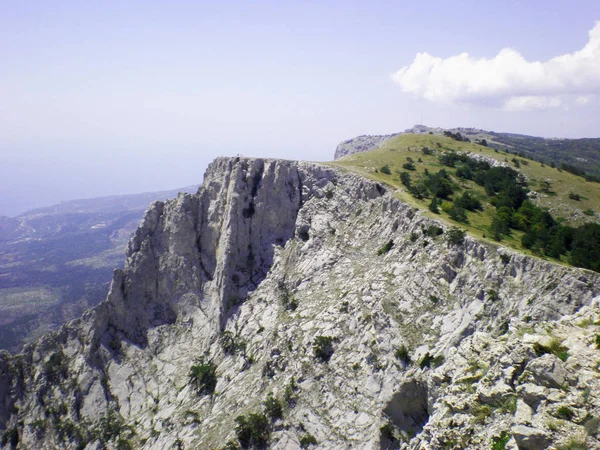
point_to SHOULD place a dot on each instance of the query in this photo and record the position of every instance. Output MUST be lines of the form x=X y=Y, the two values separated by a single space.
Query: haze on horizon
x=128 y=97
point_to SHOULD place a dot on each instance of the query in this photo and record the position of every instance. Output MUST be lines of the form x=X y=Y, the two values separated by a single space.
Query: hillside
x=578 y=155
x=57 y=261
x=291 y=305
x=571 y=200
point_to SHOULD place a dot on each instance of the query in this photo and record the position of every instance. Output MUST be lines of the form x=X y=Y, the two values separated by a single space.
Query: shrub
x=574 y=196
x=289 y=302
x=231 y=344
x=307 y=440
x=385 y=169
x=419 y=190
x=493 y=295
x=228 y=342
x=323 y=348
x=589 y=212
x=10 y=436
x=499 y=442
x=289 y=395
x=427 y=151
x=385 y=247
x=458 y=213
x=555 y=347
x=409 y=166
x=203 y=377
x=597 y=341
x=413 y=236
x=455 y=236
x=403 y=354
x=253 y=430
x=273 y=407
x=426 y=361
x=434 y=299
x=469 y=202
x=433 y=231
x=405 y=179
x=564 y=412
x=56 y=367
x=433 y=206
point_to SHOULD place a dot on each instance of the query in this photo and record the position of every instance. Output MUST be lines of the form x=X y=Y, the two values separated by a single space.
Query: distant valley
x=57 y=261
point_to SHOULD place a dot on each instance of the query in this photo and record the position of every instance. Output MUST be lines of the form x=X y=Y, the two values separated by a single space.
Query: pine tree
x=434 y=205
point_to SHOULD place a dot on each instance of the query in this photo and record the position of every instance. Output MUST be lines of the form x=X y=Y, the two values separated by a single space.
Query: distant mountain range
x=583 y=155
x=57 y=261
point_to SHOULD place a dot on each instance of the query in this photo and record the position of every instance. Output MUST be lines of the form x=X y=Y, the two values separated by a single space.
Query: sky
x=118 y=97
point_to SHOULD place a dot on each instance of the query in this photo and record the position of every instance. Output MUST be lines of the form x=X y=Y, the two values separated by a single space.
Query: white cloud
x=507 y=80
x=529 y=102
x=583 y=99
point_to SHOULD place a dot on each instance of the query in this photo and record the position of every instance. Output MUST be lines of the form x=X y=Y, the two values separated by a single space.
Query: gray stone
x=529 y=438
x=548 y=370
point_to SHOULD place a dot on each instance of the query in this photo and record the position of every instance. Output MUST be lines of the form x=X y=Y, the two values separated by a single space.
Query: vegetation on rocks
x=203 y=377
x=476 y=186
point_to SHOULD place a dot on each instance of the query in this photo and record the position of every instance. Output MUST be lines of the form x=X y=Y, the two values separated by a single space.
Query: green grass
x=394 y=153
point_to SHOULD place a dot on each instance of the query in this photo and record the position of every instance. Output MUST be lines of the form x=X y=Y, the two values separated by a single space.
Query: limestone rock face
x=360 y=144
x=273 y=279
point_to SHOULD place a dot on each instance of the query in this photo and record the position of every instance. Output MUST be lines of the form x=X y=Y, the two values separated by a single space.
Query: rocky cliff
x=315 y=297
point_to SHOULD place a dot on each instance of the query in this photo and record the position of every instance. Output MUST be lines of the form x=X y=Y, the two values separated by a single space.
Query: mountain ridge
x=292 y=260
x=581 y=154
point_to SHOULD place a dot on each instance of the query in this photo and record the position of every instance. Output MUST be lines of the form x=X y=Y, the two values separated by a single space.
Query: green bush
x=468 y=202
x=203 y=377
x=273 y=407
x=405 y=179
x=323 y=348
x=434 y=205
x=55 y=368
x=564 y=412
x=307 y=440
x=385 y=169
x=499 y=442
x=428 y=360
x=433 y=231
x=289 y=394
x=403 y=354
x=458 y=213
x=385 y=247
x=455 y=236
x=253 y=430
x=409 y=166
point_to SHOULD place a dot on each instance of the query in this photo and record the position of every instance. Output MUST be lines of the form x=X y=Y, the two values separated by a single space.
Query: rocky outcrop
x=359 y=144
x=319 y=290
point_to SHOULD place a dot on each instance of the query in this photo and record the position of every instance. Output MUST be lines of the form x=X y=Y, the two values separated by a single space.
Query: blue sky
x=102 y=98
